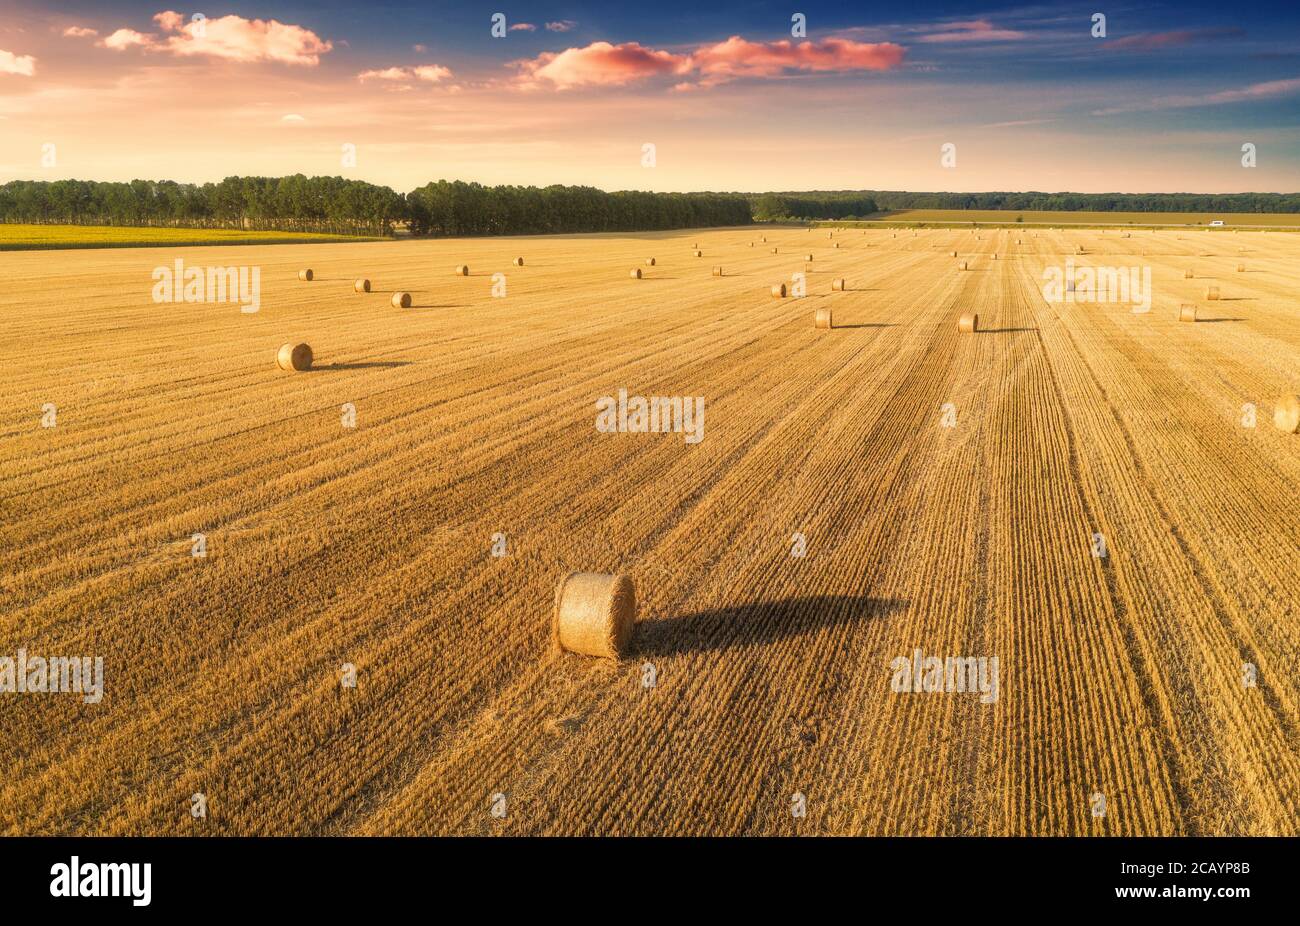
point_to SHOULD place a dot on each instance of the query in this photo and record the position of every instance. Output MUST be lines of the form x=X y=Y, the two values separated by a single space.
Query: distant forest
x=340 y=206
x=1049 y=202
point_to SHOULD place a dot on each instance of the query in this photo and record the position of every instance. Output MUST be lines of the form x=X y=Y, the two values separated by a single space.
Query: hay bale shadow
x=758 y=623
x=367 y=365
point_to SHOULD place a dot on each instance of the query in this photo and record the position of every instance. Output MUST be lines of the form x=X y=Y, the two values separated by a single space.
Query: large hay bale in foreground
x=594 y=614
x=401 y=300
x=519 y=261
x=306 y=275
x=1212 y=293
x=822 y=319
x=1187 y=312
x=838 y=285
x=636 y=274
x=361 y=286
x=294 y=357
x=968 y=323
x=778 y=291
x=1286 y=414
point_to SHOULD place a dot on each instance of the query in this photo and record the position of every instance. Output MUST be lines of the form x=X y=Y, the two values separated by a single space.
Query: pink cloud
x=606 y=65
x=169 y=21
x=600 y=64
x=22 y=65
x=563 y=25
x=737 y=57
x=523 y=27
x=974 y=30
x=123 y=39
x=430 y=73
x=79 y=32
x=1150 y=41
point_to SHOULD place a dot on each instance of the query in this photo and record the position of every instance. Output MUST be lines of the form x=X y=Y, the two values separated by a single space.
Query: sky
x=658 y=96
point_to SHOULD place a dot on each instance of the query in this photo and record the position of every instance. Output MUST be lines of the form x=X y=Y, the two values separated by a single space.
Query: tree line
x=341 y=206
x=458 y=208
x=843 y=205
x=1087 y=202
x=352 y=207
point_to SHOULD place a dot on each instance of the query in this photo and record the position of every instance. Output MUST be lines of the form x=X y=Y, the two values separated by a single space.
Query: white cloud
x=430 y=73
x=24 y=65
x=123 y=39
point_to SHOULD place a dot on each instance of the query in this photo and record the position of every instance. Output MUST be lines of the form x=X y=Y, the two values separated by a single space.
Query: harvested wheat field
x=1071 y=489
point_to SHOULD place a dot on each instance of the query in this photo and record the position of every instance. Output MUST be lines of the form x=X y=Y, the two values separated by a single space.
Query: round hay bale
x=462 y=270
x=594 y=614
x=1018 y=241
x=778 y=292
x=838 y=285
x=1286 y=413
x=361 y=286
x=1187 y=312
x=636 y=274
x=823 y=319
x=649 y=261
x=717 y=271
x=294 y=357
x=965 y=265
x=952 y=253
x=765 y=239
x=751 y=244
x=306 y=275
x=1188 y=275
x=837 y=244
x=968 y=323
x=807 y=257
x=1241 y=268
x=1212 y=293
x=699 y=253
x=773 y=250
x=519 y=261
x=995 y=256
x=695 y=244
x=401 y=300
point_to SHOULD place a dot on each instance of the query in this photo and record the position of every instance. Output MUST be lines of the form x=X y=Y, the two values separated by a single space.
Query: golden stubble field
x=1120 y=676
